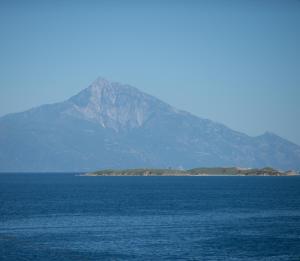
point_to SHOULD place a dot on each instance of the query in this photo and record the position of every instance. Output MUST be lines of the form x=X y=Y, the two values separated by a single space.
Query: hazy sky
x=235 y=62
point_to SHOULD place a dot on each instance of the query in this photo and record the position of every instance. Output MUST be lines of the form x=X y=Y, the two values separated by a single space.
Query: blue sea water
x=70 y=217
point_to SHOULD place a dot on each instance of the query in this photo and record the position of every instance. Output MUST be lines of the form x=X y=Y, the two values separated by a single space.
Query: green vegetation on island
x=219 y=171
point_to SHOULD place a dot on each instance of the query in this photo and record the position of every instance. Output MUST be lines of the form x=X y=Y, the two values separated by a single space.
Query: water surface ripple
x=70 y=217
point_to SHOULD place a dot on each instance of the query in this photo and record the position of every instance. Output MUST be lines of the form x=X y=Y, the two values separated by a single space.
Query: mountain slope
x=110 y=125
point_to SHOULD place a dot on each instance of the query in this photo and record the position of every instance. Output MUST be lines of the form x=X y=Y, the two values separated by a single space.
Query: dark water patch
x=69 y=217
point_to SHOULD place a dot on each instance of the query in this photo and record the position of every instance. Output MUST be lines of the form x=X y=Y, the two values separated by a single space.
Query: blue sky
x=235 y=62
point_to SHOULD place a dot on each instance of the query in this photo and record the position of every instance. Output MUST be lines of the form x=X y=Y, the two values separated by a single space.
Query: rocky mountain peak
x=112 y=125
x=98 y=86
x=100 y=82
x=114 y=105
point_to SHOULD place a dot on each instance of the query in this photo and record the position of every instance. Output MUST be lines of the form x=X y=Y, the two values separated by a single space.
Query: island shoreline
x=196 y=172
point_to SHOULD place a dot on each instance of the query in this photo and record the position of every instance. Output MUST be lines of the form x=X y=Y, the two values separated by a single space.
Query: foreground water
x=69 y=217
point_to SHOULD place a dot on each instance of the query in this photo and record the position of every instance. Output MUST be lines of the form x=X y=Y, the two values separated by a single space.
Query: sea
x=65 y=216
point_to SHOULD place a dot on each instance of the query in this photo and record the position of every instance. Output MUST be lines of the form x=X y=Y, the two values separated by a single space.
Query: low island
x=229 y=171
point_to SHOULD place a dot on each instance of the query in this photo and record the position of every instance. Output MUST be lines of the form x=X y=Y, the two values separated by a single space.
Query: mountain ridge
x=111 y=125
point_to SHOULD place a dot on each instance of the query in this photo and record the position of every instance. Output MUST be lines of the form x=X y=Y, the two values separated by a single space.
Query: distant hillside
x=111 y=125
x=232 y=171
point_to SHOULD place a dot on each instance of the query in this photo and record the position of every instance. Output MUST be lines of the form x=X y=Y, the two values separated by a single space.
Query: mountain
x=110 y=125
